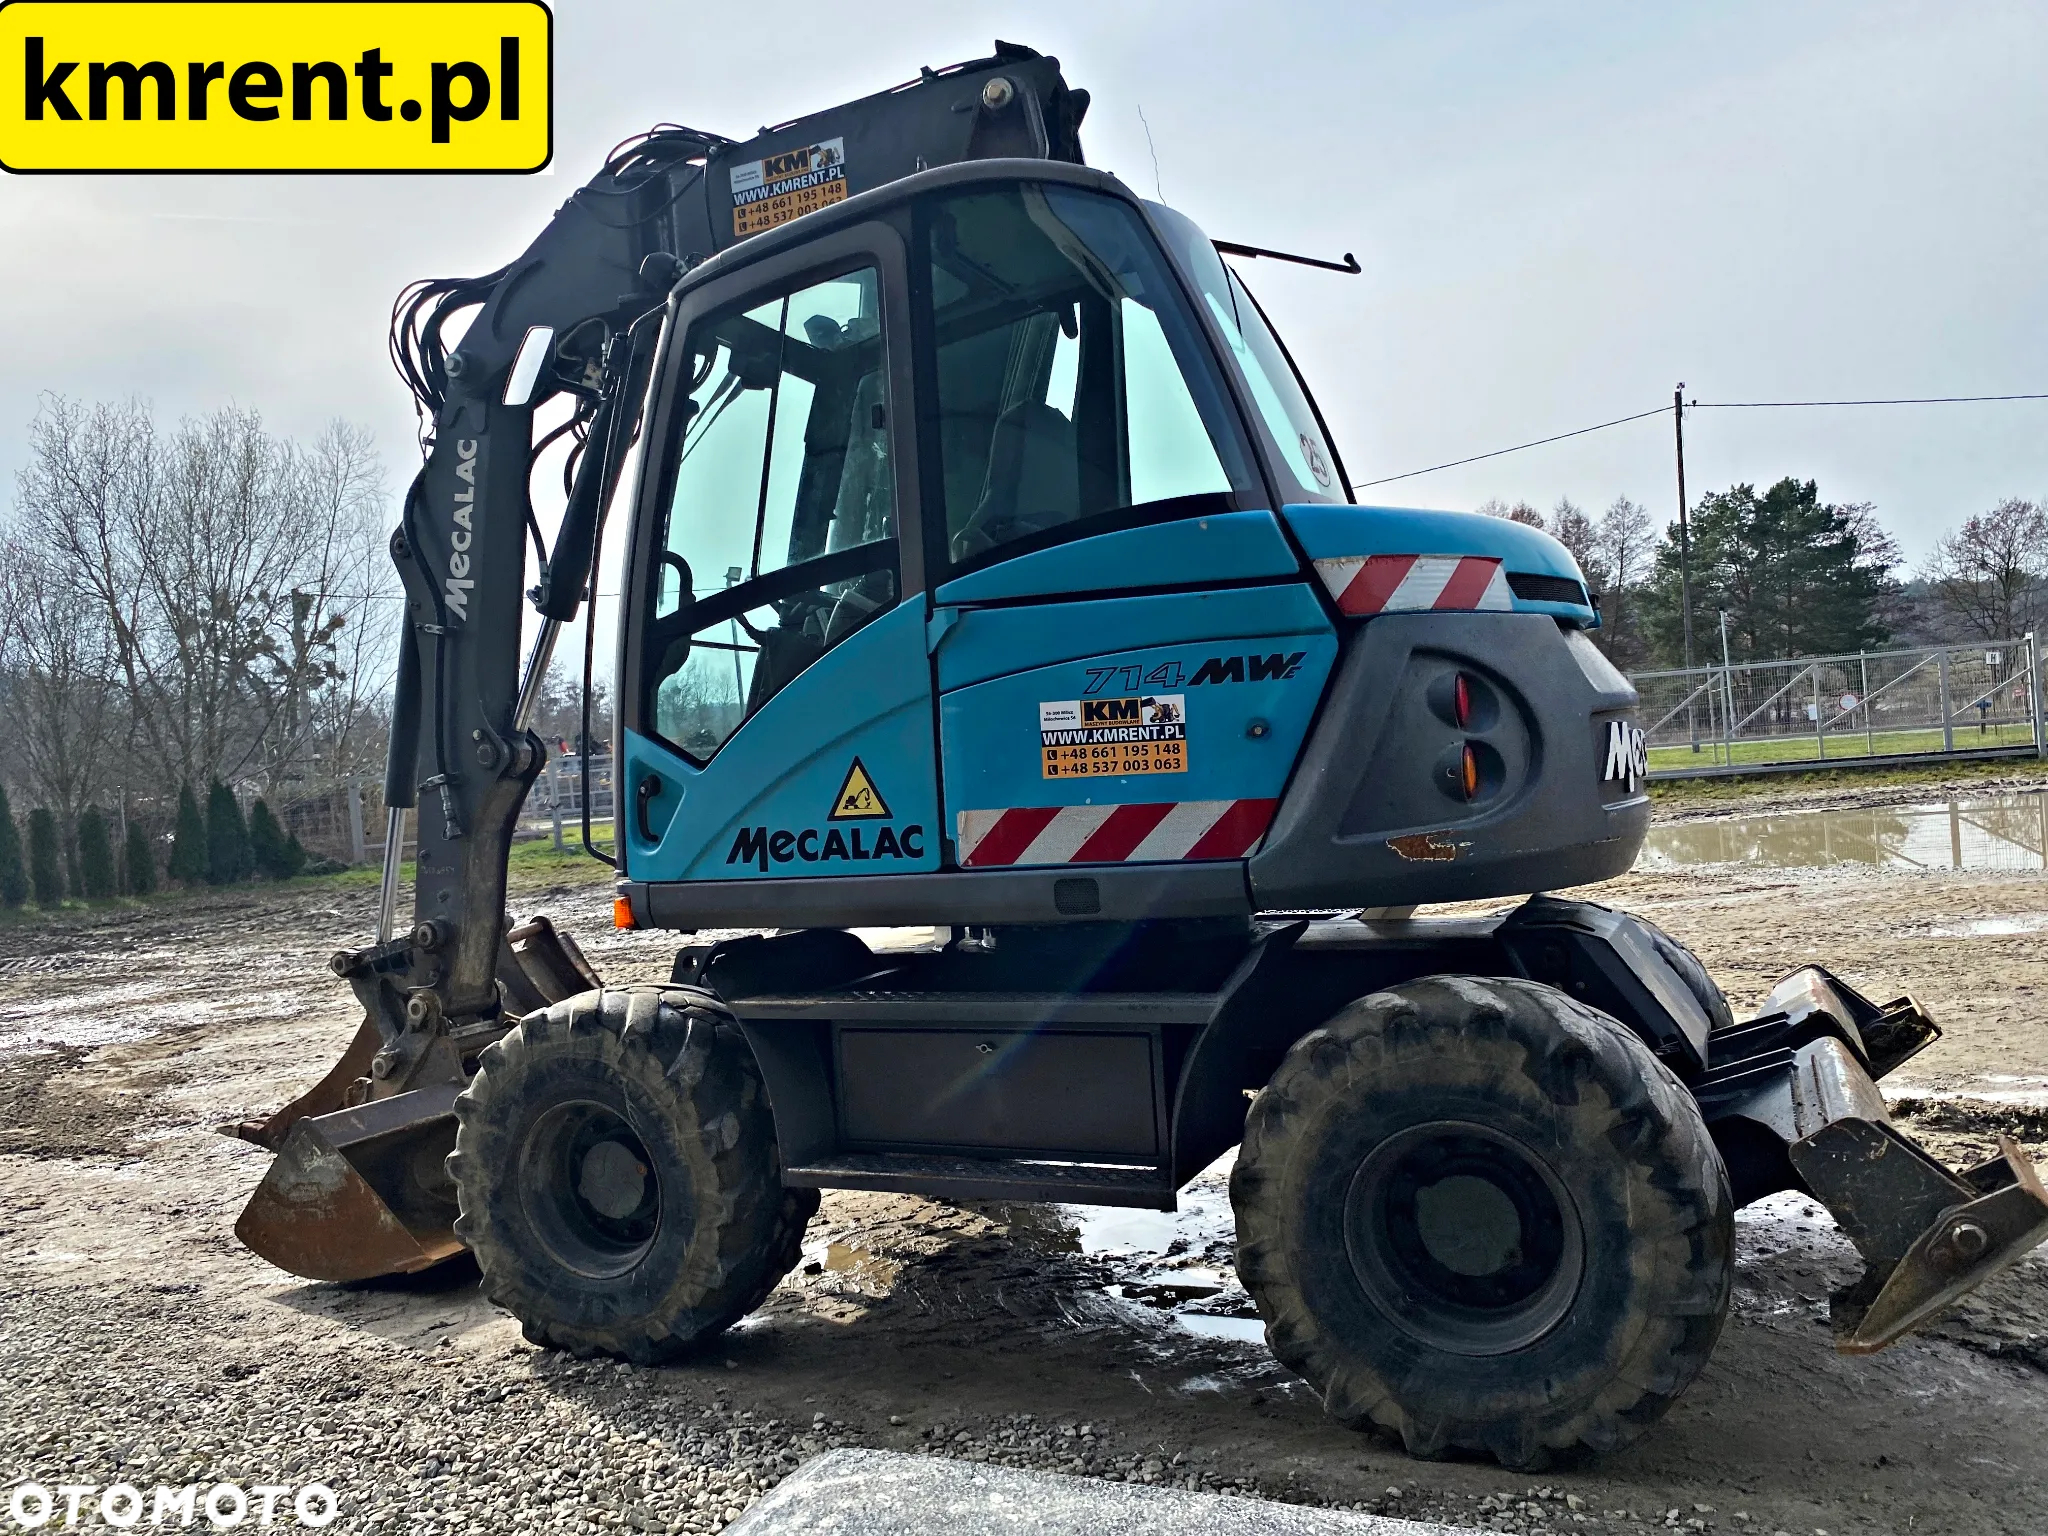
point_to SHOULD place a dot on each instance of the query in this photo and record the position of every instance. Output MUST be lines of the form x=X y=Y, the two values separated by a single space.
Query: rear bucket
x=360 y=1192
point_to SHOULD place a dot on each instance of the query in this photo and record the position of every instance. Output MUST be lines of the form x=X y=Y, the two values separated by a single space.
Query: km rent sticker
x=789 y=183
x=1097 y=738
x=305 y=85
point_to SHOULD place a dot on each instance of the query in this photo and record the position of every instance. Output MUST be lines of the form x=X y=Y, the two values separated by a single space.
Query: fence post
x=2034 y=701
x=555 y=798
x=1727 y=716
x=1869 y=730
x=1948 y=724
x=358 y=849
x=1820 y=726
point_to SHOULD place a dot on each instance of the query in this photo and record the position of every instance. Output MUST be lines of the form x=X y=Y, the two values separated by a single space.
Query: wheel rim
x=1464 y=1238
x=589 y=1189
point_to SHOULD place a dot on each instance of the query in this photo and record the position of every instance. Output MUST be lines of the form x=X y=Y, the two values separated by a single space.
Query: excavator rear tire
x=1477 y=1215
x=618 y=1175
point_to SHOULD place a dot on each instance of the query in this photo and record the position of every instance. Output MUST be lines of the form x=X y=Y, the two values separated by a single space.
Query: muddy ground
x=141 y=1343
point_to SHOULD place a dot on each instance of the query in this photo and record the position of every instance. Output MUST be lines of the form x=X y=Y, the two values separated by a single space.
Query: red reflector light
x=1461 y=706
x=1468 y=770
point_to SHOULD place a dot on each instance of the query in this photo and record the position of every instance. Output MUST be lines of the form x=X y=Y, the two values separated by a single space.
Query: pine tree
x=96 y=876
x=294 y=855
x=227 y=837
x=188 y=841
x=44 y=870
x=266 y=843
x=138 y=863
x=13 y=873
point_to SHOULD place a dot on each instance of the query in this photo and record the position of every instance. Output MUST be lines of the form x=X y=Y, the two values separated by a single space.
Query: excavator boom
x=357 y=1188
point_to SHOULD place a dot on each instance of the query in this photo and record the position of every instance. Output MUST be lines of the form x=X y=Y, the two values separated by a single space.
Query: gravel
x=107 y=1388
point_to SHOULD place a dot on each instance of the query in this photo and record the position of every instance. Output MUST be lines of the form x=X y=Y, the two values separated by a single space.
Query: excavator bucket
x=360 y=1192
x=361 y=1189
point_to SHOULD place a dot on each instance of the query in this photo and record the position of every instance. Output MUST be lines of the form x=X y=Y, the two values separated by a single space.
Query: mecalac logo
x=460 y=583
x=761 y=846
x=1628 y=754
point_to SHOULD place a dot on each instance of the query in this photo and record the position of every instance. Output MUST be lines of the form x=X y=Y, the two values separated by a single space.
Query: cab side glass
x=1071 y=378
x=783 y=505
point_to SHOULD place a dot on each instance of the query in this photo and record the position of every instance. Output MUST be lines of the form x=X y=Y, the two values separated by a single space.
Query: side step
x=978 y=1178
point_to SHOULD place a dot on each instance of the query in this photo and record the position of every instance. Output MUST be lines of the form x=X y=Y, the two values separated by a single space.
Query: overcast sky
x=1562 y=211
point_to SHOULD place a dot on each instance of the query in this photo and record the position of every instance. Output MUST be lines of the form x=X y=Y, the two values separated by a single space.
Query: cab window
x=1071 y=379
x=779 y=541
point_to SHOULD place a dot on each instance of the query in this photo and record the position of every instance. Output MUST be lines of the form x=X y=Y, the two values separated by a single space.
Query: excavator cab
x=951 y=376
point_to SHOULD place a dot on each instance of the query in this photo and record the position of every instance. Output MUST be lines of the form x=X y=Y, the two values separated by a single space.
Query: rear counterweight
x=1459 y=756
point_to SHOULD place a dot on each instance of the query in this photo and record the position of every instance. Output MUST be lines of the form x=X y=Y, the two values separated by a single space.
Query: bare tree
x=64 y=686
x=323 y=678
x=1520 y=512
x=1991 y=575
x=223 y=567
x=1628 y=541
x=1577 y=533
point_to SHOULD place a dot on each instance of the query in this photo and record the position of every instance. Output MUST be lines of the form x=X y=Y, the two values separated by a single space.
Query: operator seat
x=1033 y=483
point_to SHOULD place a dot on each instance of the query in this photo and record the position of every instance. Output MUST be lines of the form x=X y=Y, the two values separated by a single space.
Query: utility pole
x=1684 y=554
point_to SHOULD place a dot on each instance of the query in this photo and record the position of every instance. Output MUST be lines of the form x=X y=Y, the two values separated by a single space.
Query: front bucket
x=360 y=1192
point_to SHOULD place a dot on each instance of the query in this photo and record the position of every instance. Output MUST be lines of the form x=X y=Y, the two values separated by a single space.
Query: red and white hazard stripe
x=1369 y=584
x=1113 y=834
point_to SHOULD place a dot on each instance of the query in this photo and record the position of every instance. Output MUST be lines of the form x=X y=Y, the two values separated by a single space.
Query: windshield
x=1302 y=456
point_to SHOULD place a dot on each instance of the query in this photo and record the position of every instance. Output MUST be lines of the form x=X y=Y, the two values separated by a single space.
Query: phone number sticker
x=1103 y=738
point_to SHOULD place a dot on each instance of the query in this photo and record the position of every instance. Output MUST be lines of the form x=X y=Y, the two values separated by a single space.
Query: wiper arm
x=1348 y=265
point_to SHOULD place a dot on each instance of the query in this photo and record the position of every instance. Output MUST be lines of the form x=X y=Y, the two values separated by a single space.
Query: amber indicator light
x=1468 y=770
x=622 y=909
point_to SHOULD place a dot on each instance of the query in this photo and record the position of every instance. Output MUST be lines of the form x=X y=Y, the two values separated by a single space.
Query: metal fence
x=347 y=821
x=556 y=801
x=1942 y=701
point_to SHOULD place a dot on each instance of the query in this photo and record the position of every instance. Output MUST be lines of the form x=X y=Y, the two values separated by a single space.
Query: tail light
x=1461 y=707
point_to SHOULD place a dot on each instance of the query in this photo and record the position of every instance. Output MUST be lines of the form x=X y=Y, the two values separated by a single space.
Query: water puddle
x=1993 y=927
x=1175 y=1263
x=842 y=1259
x=1239 y=1330
x=1996 y=832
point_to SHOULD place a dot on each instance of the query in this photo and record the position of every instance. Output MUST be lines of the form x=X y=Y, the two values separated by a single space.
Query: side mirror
x=532 y=356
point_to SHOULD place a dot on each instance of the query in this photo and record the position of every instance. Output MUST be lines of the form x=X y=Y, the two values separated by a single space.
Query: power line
x=1698 y=405
x=1779 y=405
x=1454 y=463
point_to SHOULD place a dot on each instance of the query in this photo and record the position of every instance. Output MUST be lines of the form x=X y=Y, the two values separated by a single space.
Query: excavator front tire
x=1479 y=1216
x=618 y=1176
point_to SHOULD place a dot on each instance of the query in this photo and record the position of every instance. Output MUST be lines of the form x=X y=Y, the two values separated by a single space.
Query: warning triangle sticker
x=858 y=799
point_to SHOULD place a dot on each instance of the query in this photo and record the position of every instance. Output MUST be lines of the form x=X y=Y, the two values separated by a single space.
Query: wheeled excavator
x=988 y=567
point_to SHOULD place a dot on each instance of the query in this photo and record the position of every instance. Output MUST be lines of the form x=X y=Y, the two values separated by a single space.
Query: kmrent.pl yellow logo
x=256 y=86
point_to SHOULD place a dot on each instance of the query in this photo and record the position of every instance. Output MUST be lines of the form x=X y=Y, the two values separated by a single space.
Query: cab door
x=778 y=718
